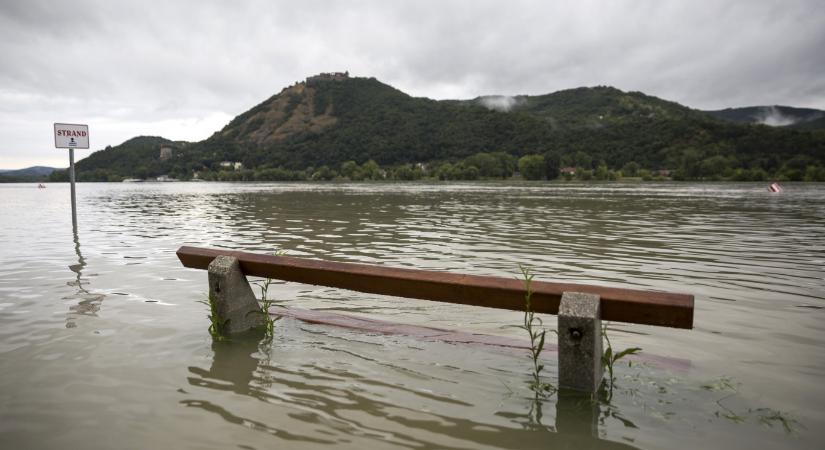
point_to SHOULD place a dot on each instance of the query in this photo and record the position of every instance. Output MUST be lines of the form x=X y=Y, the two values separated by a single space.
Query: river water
x=104 y=341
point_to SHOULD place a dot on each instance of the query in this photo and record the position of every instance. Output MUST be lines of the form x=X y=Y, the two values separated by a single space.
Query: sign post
x=71 y=136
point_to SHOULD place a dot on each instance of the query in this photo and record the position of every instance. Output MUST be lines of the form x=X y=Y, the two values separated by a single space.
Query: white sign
x=68 y=135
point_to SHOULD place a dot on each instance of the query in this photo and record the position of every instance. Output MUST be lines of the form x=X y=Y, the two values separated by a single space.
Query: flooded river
x=104 y=341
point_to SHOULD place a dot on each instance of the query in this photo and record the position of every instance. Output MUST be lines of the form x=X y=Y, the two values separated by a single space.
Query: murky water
x=104 y=344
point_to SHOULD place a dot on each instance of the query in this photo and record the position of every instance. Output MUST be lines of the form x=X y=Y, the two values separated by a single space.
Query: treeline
x=23 y=178
x=495 y=165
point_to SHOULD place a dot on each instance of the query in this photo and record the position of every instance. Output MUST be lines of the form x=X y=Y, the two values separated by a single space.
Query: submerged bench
x=579 y=307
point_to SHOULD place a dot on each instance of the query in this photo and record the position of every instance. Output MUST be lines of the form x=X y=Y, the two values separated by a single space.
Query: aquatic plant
x=767 y=417
x=216 y=328
x=534 y=327
x=609 y=359
x=266 y=303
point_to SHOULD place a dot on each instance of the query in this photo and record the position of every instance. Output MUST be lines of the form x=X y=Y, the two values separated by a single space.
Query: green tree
x=601 y=172
x=814 y=173
x=583 y=160
x=59 y=176
x=486 y=164
x=691 y=164
x=532 y=167
x=714 y=167
x=645 y=174
x=443 y=171
x=508 y=163
x=324 y=173
x=407 y=172
x=371 y=170
x=349 y=169
x=630 y=169
x=552 y=165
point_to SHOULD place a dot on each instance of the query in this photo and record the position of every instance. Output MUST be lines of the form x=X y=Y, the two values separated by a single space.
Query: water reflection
x=81 y=262
x=89 y=303
x=233 y=369
x=577 y=414
x=233 y=366
x=345 y=402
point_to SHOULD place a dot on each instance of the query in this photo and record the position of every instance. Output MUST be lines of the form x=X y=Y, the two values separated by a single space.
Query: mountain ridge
x=332 y=119
x=27 y=174
x=773 y=115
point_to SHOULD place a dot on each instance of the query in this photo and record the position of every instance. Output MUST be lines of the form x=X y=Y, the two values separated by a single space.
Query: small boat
x=41 y=186
x=775 y=187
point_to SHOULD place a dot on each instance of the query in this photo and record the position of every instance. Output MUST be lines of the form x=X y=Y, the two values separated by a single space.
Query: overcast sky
x=183 y=69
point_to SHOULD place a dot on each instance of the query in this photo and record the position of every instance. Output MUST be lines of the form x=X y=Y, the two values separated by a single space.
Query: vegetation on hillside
x=362 y=129
x=800 y=118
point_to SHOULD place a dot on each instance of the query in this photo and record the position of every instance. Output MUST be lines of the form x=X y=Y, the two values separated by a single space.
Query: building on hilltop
x=327 y=76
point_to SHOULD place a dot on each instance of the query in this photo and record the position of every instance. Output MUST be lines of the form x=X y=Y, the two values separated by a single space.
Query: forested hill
x=139 y=157
x=332 y=121
x=29 y=174
x=781 y=116
x=595 y=107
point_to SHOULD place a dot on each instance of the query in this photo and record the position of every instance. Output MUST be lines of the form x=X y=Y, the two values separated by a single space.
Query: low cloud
x=502 y=103
x=772 y=116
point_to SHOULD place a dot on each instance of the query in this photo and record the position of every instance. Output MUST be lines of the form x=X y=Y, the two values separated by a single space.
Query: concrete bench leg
x=236 y=305
x=580 y=342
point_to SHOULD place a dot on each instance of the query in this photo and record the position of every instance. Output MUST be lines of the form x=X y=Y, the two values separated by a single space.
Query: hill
x=140 y=157
x=313 y=128
x=813 y=124
x=595 y=107
x=777 y=116
x=29 y=174
x=329 y=122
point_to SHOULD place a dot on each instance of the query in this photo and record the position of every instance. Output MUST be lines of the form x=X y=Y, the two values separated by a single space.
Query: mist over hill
x=774 y=115
x=336 y=126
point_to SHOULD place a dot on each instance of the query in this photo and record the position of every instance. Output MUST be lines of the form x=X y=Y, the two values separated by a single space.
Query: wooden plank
x=370 y=325
x=617 y=304
x=425 y=333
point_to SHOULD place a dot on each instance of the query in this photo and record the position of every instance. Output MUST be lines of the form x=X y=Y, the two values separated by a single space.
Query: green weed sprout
x=266 y=302
x=535 y=329
x=216 y=328
x=609 y=359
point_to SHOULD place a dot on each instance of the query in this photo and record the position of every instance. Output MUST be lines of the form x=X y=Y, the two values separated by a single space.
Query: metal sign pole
x=71 y=179
x=71 y=136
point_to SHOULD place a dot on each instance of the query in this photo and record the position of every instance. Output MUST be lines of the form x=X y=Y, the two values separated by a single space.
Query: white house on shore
x=234 y=165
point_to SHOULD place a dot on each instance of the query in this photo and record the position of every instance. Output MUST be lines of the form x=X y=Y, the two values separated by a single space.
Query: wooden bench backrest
x=617 y=304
